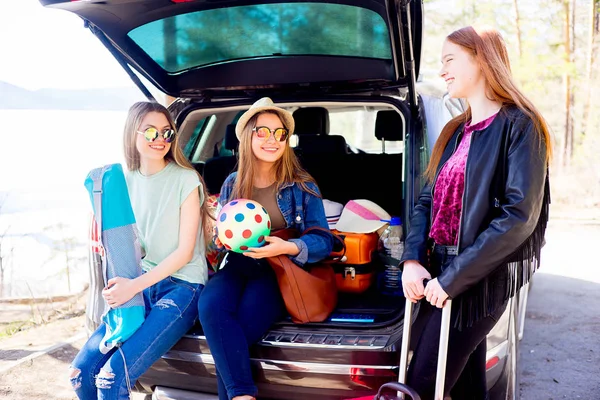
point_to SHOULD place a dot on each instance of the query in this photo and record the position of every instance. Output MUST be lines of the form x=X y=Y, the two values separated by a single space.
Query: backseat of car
x=341 y=176
x=312 y=128
x=375 y=177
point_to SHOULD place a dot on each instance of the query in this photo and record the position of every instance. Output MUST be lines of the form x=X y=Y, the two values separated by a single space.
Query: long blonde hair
x=489 y=50
x=136 y=114
x=287 y=169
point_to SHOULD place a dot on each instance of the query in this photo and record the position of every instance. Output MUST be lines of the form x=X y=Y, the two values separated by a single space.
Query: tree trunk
x=170 y=46
x=591 y=59
x=572 y=52
x=67 y=262
x=3 y=259
x=567 y=150
x=518 y=23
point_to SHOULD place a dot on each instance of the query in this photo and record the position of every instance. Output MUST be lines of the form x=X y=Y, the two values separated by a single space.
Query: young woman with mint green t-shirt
x=167 y=197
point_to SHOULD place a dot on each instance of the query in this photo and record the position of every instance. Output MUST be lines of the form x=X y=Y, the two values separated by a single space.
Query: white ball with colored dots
x=241 y=224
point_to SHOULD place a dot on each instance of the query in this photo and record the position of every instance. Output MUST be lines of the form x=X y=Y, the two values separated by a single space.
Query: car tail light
x=491 y=362
x=364 y=376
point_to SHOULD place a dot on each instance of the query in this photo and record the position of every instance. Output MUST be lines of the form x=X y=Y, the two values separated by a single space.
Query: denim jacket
x=301 y=210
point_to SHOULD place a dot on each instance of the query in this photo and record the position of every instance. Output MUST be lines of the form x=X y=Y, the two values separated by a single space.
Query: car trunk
x=368 y=310
x=364 y=177
x=354 y=351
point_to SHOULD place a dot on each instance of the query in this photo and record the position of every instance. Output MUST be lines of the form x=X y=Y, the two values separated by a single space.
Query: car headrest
x=389 y=126
x=311 y=121
x=231 y=141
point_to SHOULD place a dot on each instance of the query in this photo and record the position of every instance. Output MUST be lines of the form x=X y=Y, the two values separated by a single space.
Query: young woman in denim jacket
x=242 y=300
x=479 y=225
x=167 y=196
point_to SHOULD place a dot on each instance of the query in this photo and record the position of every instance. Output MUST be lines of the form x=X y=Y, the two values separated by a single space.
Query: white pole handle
x=440 y=377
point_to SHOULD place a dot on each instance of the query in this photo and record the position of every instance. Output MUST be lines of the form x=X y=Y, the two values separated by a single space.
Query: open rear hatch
x=200 y=49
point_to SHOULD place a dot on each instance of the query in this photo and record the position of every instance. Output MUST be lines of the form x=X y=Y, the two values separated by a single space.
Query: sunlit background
x=46 y=151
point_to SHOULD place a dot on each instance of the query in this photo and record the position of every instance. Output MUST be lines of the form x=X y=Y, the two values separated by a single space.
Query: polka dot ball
x=241 y=224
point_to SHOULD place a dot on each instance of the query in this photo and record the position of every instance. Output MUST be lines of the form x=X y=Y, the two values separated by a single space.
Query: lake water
x=45 y=156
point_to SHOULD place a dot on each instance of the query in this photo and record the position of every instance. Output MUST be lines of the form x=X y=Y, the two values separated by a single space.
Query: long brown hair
x=136 y=114
x=287 y=169
x=489 y=50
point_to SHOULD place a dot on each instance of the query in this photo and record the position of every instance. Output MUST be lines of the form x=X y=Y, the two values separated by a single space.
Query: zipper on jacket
x=438 y=173
x=462 y=206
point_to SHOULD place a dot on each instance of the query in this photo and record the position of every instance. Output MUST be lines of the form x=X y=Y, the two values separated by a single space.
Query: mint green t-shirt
x=156 y=202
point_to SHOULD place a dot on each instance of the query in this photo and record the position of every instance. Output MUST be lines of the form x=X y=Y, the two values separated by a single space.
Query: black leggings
x=465 y=367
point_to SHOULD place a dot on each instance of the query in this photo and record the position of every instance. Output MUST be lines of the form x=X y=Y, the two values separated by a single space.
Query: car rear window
x=256 y=31
x=358 y=128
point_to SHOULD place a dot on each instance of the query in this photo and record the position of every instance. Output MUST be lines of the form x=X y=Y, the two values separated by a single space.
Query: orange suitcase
x=355 y=271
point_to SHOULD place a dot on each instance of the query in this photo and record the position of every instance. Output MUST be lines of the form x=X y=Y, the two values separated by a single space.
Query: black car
x=348 y=70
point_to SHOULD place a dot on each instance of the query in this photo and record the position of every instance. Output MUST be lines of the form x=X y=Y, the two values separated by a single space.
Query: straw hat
x=264 y=104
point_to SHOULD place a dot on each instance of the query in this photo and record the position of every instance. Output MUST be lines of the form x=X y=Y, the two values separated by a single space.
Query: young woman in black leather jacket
x=477 y=230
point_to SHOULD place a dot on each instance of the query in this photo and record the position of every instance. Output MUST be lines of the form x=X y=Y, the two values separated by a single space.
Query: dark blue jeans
x=465 y=367
x=237 y=307
x=170 y=313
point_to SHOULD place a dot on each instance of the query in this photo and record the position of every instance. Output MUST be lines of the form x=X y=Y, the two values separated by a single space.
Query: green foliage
x=539 y=70
x=14 y=327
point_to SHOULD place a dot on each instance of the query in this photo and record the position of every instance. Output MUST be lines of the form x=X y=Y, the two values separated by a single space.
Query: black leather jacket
x=504 y=210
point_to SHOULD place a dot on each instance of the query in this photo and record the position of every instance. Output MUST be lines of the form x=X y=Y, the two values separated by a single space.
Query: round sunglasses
x=263 y=132
x=151 y=134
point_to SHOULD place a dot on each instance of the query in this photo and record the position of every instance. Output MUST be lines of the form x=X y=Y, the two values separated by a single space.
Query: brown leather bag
x=310 y=295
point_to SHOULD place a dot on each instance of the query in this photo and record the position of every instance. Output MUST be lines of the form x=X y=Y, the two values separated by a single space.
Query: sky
x=49 y=48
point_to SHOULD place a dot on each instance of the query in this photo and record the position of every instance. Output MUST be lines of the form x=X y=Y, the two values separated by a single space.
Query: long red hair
x=489 y=50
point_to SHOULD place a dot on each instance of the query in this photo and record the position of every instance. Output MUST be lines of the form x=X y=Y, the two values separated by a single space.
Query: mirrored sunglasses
x=151 y=134
x=263 y=132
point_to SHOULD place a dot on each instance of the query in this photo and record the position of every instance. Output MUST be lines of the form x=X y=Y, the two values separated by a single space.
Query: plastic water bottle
x=391 y=246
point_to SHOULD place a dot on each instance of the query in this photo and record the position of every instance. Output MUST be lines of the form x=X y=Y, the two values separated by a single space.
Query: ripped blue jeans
x=170 y=312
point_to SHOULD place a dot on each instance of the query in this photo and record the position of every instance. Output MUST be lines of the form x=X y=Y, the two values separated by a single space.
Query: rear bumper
x=293 y=363
x=284 y=369
x=333 y=377
x=308 y=368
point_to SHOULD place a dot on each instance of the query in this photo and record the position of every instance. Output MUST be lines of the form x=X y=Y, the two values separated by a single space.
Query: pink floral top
x=449 y=188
